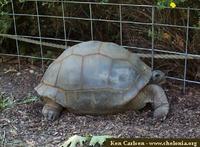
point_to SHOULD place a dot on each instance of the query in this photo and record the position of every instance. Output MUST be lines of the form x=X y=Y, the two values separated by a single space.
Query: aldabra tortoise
x=100 y=78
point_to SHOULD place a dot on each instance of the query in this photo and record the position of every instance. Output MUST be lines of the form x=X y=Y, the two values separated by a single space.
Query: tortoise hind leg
x=51 y=109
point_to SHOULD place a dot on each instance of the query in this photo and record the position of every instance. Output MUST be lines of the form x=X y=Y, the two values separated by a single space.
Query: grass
x=28 y=100
x=7 y=101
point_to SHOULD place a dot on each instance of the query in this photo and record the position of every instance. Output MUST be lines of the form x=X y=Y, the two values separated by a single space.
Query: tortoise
x=96 y=78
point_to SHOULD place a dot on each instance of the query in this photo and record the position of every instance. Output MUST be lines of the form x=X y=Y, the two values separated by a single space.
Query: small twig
x=3 y=138
x=1 y=59
x=9 y=123
x=10 y=70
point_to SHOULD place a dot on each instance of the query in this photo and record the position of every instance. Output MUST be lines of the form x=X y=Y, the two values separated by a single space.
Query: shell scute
x=69 y=76
x=96 y=71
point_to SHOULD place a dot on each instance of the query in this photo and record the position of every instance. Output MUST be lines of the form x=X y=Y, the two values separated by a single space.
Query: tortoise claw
x=50 y=113
x=161 y=113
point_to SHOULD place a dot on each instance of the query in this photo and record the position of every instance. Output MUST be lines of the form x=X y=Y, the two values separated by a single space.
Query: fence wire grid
x=152 y=51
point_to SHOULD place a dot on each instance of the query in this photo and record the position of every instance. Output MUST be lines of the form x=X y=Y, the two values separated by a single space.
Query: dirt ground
x=24 y=125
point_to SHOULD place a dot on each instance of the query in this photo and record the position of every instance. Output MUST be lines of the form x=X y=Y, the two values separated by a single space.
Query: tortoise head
x=158 y=77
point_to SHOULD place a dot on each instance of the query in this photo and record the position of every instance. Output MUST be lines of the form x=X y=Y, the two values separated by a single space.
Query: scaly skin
x=155 y=95
x=51 y=109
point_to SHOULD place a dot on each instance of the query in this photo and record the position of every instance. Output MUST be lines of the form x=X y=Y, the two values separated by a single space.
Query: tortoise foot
x=161 y=112
x=51 y=113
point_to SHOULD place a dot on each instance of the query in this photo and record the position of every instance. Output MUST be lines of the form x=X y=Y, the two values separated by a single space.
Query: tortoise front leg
x=51 y=109
x=159 y=101
x=155 y=95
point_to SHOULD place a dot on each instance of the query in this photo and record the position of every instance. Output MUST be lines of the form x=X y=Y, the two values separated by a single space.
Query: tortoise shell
x=94 y=77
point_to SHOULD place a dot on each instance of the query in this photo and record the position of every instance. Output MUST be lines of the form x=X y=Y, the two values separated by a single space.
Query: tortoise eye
x=157 y=75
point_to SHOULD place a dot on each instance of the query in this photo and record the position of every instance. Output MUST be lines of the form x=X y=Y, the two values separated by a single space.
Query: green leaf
x=99 y=139
x=74 y=140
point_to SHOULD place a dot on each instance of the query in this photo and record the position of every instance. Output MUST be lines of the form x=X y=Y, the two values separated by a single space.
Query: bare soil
x=24 y=125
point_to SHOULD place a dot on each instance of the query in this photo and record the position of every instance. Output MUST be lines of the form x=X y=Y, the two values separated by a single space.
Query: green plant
x=169 y=3
x=28 y=100
x=8 y=101
x=104 y=1
x=5 y=19
x=5 y=101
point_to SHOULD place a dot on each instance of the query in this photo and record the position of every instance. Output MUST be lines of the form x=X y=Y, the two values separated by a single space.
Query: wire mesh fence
x=117 y=26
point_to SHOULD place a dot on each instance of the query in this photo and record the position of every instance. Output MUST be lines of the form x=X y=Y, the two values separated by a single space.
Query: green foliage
x=104 y=1
x=8 y=101
x=5 y=21
x=5 y=24
x=3 y=3
x=28 y=100
x=99 y=140
x=5 y=101
x=169 y=3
